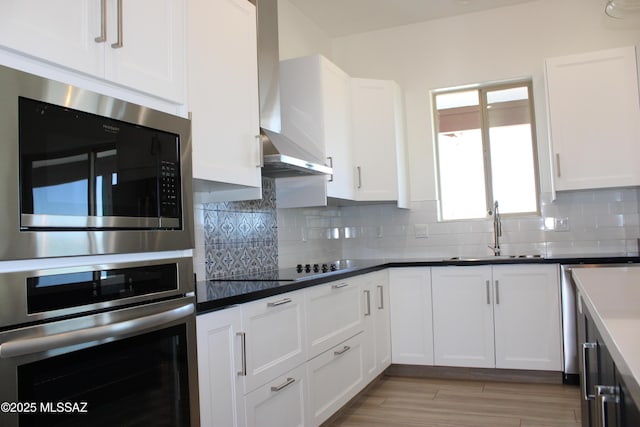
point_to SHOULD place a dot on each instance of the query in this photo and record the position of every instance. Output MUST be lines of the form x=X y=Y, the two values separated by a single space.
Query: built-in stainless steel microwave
x=85 y=174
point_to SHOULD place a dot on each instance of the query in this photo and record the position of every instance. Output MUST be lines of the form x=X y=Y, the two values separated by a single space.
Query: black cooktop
x=301 y=271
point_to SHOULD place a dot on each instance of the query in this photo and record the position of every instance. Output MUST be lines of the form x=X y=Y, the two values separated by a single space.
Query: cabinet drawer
x=335 y=376
x=281 y=402
x=274 y=337
x=334 y=313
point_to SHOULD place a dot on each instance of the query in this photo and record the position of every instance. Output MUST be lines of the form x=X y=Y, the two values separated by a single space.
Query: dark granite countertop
x=217 y=294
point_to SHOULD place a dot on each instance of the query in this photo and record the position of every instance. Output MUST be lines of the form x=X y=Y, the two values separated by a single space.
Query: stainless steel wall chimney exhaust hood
x=281 y=156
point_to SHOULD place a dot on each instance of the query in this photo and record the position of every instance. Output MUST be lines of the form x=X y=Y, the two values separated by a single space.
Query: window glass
x=485 y=151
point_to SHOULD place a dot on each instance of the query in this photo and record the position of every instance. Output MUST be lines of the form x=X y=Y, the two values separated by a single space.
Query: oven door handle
x=21 y=347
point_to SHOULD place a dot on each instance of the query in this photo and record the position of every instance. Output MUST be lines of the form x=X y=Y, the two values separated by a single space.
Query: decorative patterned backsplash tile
x=241 y=237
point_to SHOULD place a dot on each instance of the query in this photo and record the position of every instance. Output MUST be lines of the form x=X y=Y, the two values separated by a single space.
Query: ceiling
x=345 y=17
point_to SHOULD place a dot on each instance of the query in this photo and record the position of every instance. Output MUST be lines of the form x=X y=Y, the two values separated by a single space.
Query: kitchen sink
x=491 y=257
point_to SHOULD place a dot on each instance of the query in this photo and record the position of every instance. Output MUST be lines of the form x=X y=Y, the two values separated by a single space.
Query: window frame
x=486 y=152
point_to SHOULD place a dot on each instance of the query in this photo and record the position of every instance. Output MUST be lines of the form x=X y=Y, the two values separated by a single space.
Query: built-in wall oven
x=87 y=174
x=106 y=344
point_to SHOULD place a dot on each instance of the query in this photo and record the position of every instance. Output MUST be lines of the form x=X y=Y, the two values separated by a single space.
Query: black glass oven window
x=74 y=163
x=75 y=289
x=138 y=381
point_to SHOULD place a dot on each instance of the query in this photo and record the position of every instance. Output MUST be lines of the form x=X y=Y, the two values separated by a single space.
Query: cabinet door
x=463 y=316
x=528 y=332
x=275 y=337
x=594 y=118
x=410 y=316
x=62 y=32
x=219 y=360
x=382 y=321
x=334 y=313
x=152 y=57
x=337 y=132
x=375 y=138
x=335 y=377
x=376 y=337
x=281 y=402
x=223 y=91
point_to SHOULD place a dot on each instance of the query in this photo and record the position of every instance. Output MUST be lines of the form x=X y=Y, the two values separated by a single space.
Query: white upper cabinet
x=316 y=114
x=357 y=125
x=138 y=44
x=223 y=92
x=594 y=118
x=378 y=141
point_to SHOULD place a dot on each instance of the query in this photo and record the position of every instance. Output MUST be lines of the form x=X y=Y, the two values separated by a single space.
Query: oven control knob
x=333 y=267
x=307 y=268
x=325 y=268
x=316 y=268
x=299 y=268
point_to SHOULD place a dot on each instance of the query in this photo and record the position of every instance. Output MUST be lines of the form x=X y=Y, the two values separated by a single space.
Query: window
x=486 y=151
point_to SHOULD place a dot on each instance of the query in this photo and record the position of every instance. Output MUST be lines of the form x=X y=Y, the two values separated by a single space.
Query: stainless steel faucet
x=497 y=229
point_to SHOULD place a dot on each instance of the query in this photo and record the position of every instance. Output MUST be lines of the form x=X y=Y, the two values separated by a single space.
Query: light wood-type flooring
x=407 y=401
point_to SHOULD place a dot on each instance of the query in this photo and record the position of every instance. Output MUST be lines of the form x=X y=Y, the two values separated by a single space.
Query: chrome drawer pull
x=487 y=284
x=381 y=306
x=120 y=42
x=243 y=341
x=103 y=23
x=368 y=313
x=338 y=286
x=279 y=302
x=585 y=373
x=344 y=350
x=288 y=382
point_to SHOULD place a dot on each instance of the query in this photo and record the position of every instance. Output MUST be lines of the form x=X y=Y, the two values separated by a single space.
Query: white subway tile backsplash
x=591 y=221
x=599 y=222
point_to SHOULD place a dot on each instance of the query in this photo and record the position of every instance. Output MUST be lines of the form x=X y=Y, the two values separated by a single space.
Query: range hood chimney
x=281 y=156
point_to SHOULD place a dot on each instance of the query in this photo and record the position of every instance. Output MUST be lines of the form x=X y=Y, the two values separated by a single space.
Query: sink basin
x=491 y=257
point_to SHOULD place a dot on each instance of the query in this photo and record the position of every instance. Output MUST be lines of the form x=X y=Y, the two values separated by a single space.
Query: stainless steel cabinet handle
x=26 y=346
x=288 y=382
x=243 y=341
x=368 y=312
x=497 y=292
x=381 y=290
x=120 y=42
x=344 y=350
x=606 y=395
x=558 y=165
x=585 y=373
x=331 y=166
x=359 y=176
x=103 y=23
x=339 y=285
x=279 y=302
x=260 y=152
x=488 y=286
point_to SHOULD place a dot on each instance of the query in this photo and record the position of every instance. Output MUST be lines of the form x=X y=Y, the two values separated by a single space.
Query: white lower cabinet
x=377 y=333
x=275 y=337
x=528 y=317
x=335 y=377
x=219 y=358
x=463 y=316
x=411 y=320
x=281 y=402
x=334 y=313
x=497 y=317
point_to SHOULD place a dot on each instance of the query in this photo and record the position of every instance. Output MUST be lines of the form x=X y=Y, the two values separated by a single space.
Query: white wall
x=498 y=44
x=298 y=35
